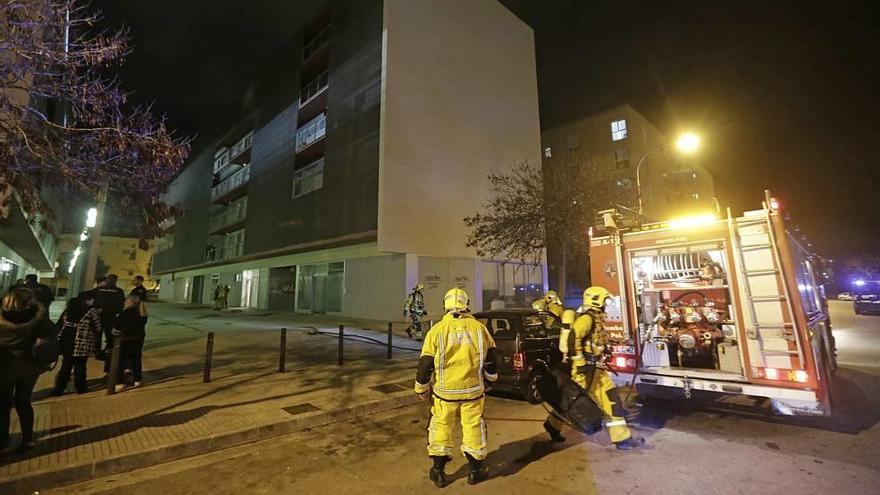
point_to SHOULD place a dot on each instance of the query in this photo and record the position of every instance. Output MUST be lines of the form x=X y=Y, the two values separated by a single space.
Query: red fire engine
x=722 y=305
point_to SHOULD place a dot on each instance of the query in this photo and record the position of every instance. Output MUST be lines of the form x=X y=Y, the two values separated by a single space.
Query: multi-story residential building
x=342 y=196
x=613 y=142
x=122 y=255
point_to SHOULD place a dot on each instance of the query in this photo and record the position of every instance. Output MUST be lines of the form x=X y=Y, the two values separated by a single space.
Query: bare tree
x=531 y=208
x=65 y=126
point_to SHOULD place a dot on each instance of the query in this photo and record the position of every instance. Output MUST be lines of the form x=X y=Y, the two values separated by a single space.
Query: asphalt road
x=692 y=449
x=858 y=337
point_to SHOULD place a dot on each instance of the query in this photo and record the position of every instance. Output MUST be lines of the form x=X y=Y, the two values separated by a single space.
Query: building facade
x=340 y=197
x=120 y=255
x=614 y=141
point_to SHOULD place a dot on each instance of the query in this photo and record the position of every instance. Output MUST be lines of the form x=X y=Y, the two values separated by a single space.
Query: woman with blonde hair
x=23 y=320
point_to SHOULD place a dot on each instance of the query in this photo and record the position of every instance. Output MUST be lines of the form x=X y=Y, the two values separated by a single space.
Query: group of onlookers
x=30 y=343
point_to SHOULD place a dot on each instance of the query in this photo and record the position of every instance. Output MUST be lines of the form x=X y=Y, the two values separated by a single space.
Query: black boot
x=437 y=473
x=479 y=472
x=555 y=435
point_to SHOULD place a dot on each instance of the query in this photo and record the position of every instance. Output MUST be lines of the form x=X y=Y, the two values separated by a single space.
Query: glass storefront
x=319 y=287
x=511 y=285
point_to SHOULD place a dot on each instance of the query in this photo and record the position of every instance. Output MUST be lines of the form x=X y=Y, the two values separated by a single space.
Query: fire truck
x=709 y=305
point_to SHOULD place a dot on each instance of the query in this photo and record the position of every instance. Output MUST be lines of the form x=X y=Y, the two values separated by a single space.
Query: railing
x=311 y=132
x=316 y=43
x=314 y=88
x=235 y=212
x=224 y=251
x=224 y=156
x=235 y=181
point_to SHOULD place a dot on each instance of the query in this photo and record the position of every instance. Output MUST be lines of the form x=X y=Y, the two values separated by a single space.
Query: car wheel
x=533 y=389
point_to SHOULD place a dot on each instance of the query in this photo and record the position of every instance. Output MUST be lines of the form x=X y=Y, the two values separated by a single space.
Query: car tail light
x=518 y=362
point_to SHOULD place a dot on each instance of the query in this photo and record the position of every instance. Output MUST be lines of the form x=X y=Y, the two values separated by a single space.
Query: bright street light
x=92 y=217
x=688 y=143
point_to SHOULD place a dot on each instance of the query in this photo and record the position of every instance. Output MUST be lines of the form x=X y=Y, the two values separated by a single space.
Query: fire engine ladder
x=761 y=278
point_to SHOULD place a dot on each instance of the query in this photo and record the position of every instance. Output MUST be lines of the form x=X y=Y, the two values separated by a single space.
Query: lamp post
x=686 y=144
x=95 y=221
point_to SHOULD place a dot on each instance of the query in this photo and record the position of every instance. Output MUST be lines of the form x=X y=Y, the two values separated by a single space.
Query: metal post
x=209 y=353
x=389 y=340
x=339 y=353
x=282 y=354
x=113 y=374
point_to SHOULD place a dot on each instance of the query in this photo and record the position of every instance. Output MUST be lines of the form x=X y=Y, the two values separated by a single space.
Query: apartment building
x=615 y=141
x=342 y=194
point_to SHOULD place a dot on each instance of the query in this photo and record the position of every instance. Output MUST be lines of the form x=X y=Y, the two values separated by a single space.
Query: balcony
x=316 y=44
x=311 y=132
x=227 y=248
x=314 y=88
x=238 y=153
x=233 y=187
x=231 y=218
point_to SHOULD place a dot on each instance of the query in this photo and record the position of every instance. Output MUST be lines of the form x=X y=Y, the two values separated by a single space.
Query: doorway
x=250 y=286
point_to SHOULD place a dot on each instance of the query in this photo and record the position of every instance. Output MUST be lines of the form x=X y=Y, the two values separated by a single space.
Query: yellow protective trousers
x=444 y=415
x=603 y=394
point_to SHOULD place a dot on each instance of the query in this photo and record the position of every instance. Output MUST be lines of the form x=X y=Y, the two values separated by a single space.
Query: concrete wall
x=375 y=287
x=459 y=100
x=441 y=274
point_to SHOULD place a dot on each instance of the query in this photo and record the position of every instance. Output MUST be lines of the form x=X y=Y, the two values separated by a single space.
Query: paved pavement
x=175 y=414
x=693 y=449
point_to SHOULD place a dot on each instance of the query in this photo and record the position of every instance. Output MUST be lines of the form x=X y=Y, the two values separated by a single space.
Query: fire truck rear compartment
x=685 y=309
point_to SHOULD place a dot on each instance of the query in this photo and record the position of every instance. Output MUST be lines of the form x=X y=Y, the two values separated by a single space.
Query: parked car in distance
x=528 y=346
x=844 y=296
x=866 y=297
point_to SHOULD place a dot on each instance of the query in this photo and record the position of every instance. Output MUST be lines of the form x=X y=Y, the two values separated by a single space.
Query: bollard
x=282 y=354
x=113 y=374
x=389 y=340
x=339 y=353
x=209 y=353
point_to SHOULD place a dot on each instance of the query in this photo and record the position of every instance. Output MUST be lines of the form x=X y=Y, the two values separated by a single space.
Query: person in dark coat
x=109 y=300
x=42 y=292
x=22 y=320
x=130 y=327
x=139 y=289
x=79 y=329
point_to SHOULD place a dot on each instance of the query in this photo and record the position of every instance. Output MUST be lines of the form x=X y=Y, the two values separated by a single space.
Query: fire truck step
x=779 y=353
x=755 y=247
x=773 y=325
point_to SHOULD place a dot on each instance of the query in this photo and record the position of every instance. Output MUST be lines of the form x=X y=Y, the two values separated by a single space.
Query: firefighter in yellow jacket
x=459 y=352
x=586 y=348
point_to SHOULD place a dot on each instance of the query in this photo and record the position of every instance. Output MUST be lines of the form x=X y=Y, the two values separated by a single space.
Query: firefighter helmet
x=418 y=288
x=552 y=297
x=456 y=300
x=594 y=297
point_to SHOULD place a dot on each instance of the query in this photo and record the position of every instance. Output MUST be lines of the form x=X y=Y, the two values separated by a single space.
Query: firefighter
x=587 y=353
x=550 y=303
x=459 y=352
x=414 y=309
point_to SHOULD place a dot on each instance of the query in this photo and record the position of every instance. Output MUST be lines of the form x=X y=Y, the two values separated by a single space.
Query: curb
x=56 y=477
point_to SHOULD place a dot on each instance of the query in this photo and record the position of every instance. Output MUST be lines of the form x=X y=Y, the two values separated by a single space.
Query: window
x=621 y=157
x=548 y=153
x=501 y=329
x=618 y=130
x=309 y=179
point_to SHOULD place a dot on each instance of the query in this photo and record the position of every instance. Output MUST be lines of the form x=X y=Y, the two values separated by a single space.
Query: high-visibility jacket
x=460 y=352
x=589 y=337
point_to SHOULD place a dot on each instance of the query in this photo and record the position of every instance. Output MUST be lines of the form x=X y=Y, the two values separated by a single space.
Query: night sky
x=785 y=94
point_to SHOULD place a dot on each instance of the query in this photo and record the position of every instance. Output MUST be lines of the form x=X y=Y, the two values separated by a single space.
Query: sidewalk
x=175 y=415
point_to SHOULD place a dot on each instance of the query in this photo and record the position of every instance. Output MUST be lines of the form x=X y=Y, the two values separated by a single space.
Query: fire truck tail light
x=800 y=376
x=774 y=204
x=771 y=373
x=620 y=362
x=518 y=362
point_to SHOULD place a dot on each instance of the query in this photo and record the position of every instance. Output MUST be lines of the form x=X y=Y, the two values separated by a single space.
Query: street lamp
x=686 y=144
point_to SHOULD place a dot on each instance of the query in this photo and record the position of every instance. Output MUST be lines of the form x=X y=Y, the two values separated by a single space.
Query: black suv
x=528 y=346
